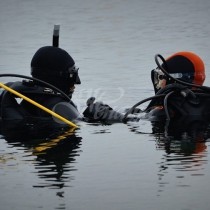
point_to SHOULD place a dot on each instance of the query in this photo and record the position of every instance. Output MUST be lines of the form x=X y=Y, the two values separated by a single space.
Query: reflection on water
x=183 y=157
x=54 y=159
x=183 y=154
x=54 y=155
x=182 y=166
x=184 y=142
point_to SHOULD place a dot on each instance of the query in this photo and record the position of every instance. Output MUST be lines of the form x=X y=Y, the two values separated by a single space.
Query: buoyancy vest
x=180 y=101
x=13 y=108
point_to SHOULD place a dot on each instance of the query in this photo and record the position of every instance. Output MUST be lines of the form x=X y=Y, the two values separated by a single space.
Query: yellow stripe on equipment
x=38 y=105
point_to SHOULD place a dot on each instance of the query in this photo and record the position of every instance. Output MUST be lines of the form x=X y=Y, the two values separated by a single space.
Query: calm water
x=105 y=167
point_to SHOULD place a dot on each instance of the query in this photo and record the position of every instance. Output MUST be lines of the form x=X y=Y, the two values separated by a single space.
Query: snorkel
x=55 y=43
x=56 y=31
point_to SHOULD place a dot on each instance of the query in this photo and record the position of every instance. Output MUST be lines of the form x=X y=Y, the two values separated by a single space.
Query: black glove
x=99 y=111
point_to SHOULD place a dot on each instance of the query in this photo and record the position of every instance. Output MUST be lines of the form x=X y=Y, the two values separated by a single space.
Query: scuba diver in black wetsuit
x=54 y=76
x=57 y=69
x=179 y=79
x=181 y=104
x=49 y=92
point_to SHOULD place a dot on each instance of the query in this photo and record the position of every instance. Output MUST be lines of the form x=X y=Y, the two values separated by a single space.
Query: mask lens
x=73 y=70
x=159 y=79
x=73 y=75
x=158 y=75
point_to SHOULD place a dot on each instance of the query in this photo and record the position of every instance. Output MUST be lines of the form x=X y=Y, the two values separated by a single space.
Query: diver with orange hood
x=180 y=78
x=179 y=91
x=181 y=103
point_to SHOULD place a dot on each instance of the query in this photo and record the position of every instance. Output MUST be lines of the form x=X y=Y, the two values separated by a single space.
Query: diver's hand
x=99 y=111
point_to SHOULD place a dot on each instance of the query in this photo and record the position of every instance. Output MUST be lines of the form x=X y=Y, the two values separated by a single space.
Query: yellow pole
x=38 y=105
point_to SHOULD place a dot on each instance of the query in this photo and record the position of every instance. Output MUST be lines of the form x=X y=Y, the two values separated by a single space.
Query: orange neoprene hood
x=187 y=62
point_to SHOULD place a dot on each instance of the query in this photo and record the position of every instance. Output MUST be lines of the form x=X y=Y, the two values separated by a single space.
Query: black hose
x=38 y=80
x=166 y=105
x=141 y=102
x=168 y=88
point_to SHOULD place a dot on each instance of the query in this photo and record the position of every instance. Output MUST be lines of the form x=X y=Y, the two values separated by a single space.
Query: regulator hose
x=141 y=102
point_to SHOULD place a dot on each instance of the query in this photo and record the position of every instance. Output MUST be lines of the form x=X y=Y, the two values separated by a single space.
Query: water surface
x=105 y=166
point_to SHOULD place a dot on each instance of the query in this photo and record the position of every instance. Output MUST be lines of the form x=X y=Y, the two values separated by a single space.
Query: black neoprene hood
x=55 y=66
x=51 y=60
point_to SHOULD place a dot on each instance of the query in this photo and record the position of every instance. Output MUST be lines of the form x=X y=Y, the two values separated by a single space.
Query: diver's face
x=159 y=79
